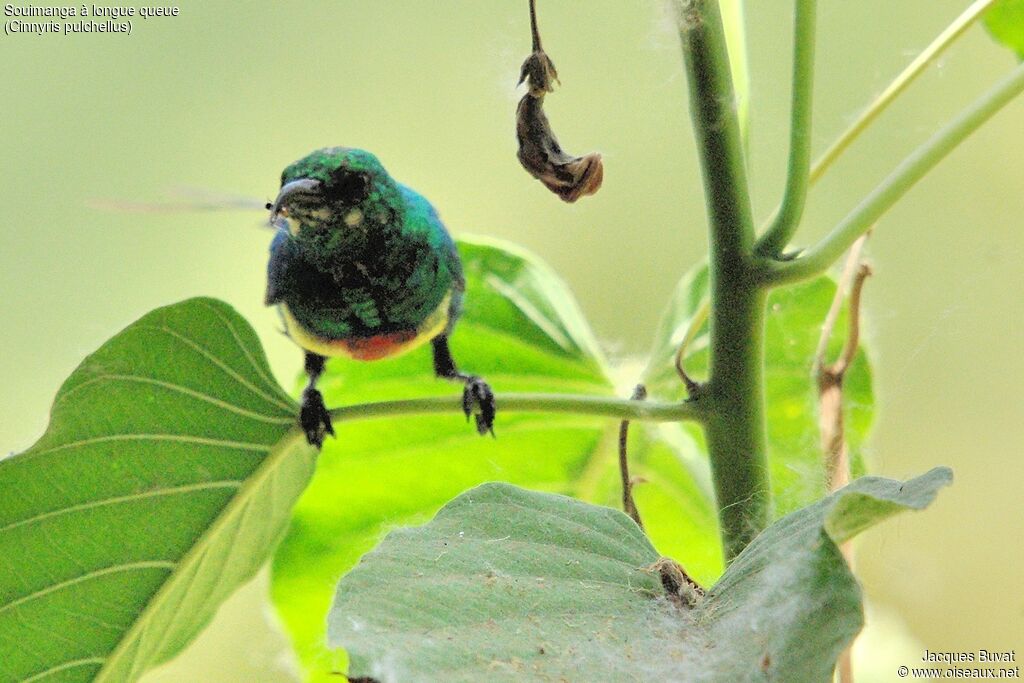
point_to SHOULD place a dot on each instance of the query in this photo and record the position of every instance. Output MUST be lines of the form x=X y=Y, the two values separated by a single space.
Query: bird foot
x=478 y=401
x=314 y=418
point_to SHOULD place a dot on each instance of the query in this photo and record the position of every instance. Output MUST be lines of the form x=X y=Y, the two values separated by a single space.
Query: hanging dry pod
x=568 y=176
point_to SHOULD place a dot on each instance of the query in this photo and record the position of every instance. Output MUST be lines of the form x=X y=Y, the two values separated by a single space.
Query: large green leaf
x=162 y=483
x=522 y=331
x=792 y=329
x=1005 y=21
x=509 y=585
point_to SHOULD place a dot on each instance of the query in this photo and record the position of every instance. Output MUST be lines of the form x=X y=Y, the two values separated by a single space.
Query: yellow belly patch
x=369 y=348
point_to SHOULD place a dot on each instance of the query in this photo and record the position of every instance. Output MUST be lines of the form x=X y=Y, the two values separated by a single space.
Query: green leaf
x=1005 y=21
x=509 y=585
x=792 y=329
x=162 y=483
x=522 y=331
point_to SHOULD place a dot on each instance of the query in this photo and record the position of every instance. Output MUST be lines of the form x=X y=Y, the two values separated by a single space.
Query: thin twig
x=853 y=333
x=830 y=395
x=916 y=67
x=899 y=84
x=830 y=376
x=533 y=26
x=914 y=167
x=849 y=268
x=699 y=318
x=628 y=504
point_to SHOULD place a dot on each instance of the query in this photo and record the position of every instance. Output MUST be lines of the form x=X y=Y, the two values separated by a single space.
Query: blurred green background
x=222 y=97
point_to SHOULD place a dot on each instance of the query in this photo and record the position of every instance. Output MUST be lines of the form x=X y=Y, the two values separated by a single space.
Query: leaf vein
x=241 y=345
x=63 y=666
x=191 y=343
x=212 y=400
x=181 y=438
x=88 y=576
x=169 y=491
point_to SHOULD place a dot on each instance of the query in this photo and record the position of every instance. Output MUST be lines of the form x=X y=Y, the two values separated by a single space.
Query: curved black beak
x=303 y=188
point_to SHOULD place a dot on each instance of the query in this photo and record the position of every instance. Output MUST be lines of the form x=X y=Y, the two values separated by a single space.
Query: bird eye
x=349 y=189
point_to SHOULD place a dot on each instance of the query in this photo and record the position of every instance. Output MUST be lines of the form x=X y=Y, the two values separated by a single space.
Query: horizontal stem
x=905 y=176
x=617 y=408
x=901 y=83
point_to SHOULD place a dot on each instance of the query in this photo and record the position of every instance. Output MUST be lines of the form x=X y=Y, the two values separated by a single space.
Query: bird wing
x=281 y=253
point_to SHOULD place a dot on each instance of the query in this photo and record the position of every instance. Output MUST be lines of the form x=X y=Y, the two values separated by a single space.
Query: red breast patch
x=380 y=346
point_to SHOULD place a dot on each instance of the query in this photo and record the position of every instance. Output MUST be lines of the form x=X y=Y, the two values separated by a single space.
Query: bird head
x=335 y=189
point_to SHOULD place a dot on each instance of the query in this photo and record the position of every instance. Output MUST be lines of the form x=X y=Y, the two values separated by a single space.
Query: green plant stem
x=913 y=168
x=620 y=409
x=734 y=394
x=787 y=217
x=901 y=83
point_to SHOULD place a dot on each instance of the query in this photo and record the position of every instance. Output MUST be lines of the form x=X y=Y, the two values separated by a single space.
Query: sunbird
x=361 y=266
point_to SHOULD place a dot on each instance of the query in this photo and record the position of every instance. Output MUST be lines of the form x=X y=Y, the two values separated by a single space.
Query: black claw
x=314 y=418
x=478 y=401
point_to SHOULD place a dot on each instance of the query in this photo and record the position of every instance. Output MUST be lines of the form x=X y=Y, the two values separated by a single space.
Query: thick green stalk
x=905 y=176
x=787 y=217
x=734 y=394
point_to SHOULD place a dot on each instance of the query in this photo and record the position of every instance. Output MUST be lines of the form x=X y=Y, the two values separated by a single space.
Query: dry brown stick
x=680 y=589
x=830 y=396
x=830 y=375
x=628 y=504
x=845 y=280
x=533 y=26
x=830 y=378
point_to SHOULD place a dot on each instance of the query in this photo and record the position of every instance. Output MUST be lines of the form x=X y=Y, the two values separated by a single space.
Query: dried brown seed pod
x=568 y=176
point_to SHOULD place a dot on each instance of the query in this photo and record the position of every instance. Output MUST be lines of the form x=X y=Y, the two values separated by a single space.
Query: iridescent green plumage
x=380 y=262
x=362 y=266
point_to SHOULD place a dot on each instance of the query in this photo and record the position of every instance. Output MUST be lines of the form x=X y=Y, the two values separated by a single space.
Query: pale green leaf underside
x=522 y=331
x=509 y=585
x=164 y=479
